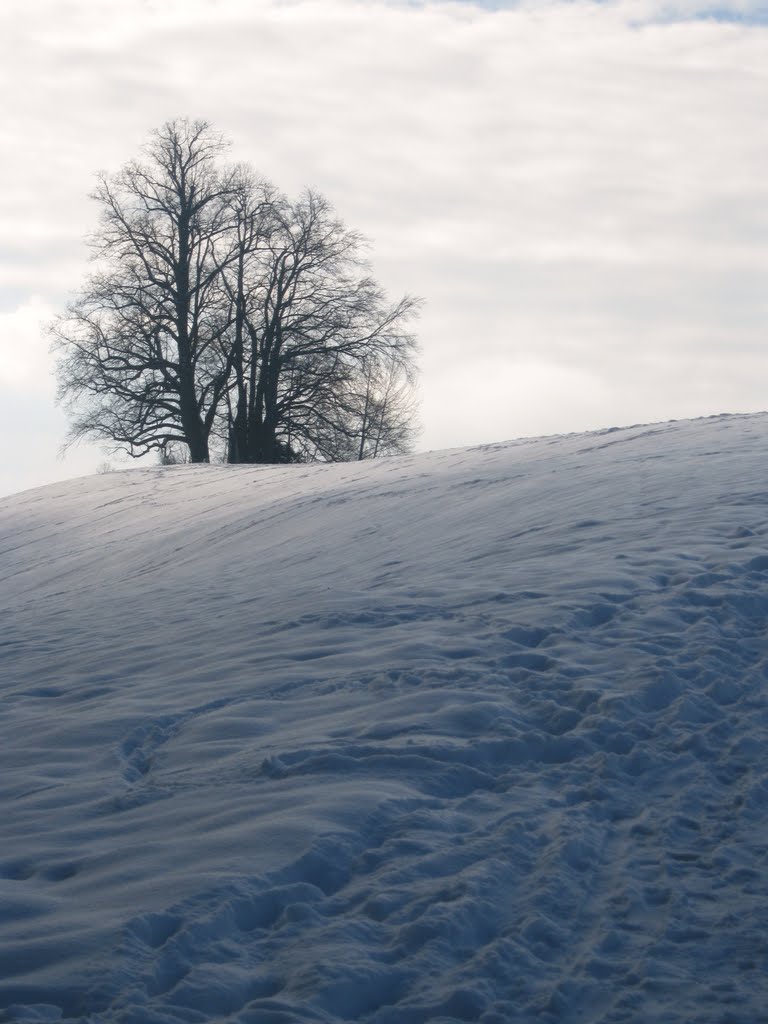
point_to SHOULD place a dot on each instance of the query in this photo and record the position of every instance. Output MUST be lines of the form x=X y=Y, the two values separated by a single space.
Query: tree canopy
x=225 y=319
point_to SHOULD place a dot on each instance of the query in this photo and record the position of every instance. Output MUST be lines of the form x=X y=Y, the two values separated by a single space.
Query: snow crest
x=476 y=735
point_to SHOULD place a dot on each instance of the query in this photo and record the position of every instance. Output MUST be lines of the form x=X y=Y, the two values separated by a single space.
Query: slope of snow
x=477 y=735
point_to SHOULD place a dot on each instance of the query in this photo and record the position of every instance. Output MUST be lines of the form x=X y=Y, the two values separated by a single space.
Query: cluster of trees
x=227 y=320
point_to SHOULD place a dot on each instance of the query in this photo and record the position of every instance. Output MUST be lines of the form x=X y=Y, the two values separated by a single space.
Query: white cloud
x=31 y=426
x=575 y=187
x=24 y=361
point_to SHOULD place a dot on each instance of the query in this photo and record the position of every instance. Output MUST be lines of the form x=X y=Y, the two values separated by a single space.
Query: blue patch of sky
x=753 y=12
x=736 y=13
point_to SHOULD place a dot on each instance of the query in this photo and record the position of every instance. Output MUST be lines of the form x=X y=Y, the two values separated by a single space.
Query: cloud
x=31 y=426
x=574 y=187
x=24 y=362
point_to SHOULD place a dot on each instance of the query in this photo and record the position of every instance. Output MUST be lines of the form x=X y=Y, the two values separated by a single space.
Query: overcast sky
x=579 y=191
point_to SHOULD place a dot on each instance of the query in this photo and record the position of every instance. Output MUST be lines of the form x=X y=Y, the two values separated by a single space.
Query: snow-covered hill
x=476 y=735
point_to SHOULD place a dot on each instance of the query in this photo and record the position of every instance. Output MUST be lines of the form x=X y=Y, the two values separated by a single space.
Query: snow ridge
x=468 y=736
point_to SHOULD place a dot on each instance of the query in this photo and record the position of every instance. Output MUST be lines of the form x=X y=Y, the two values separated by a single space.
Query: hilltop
x=473 y=735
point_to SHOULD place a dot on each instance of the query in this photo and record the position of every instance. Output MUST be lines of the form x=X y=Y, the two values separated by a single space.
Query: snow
x=474 y=735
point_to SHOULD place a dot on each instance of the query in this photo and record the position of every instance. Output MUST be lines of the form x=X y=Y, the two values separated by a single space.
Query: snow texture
x=476 y=735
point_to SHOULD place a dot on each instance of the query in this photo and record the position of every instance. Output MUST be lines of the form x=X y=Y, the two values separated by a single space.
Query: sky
x=577 y=190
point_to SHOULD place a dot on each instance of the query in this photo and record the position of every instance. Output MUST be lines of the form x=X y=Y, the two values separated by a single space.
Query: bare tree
x=386 y=423
x=315 y=325
x=222 y=314
x=144 y=360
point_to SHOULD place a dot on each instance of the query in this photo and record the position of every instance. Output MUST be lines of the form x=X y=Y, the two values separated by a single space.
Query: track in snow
x=470 y=736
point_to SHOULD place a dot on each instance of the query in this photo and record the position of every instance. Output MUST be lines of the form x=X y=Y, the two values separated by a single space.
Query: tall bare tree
x=316 y=324
x=144 y=353
x=222 y=314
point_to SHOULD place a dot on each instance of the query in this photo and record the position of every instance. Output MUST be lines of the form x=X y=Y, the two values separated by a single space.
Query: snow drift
x=477 y=735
